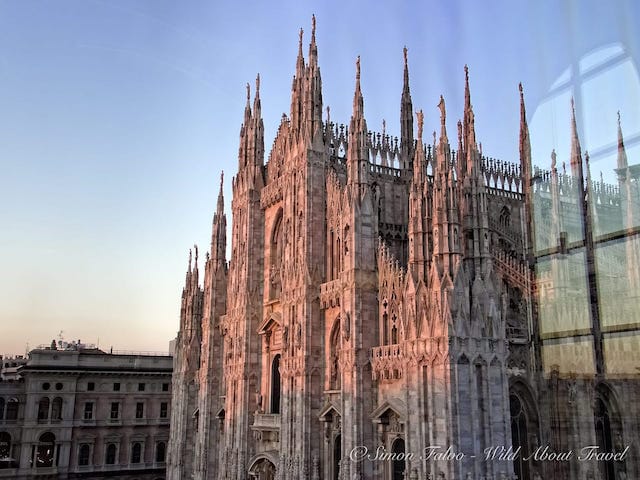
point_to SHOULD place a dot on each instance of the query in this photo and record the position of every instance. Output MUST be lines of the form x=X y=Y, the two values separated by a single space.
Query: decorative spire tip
x=404 y=52
x=358 y=68
x=420 y=117
x=257 y=84
x=313 y=26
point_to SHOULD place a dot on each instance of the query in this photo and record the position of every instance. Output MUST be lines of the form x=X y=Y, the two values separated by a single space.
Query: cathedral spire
x=406 y=118
x=219 y=229
x=525 y=170
x=313 y=48
x=358 y=157
x=622 y=154
x=576 y=154
x=468 y=112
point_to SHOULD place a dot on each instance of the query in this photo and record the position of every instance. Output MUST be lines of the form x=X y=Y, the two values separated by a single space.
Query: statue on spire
x=420 y=117
x=443 y=111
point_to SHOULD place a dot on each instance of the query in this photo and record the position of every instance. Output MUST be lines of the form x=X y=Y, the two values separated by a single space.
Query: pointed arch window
x=275 y=385
x=519 y=436
x=335 y=380
x=276 y=252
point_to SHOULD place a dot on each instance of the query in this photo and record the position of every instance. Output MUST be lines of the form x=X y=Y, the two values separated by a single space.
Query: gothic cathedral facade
x=380 y=314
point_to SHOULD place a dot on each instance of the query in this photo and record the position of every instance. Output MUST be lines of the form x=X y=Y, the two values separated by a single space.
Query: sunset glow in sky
x=117 y=117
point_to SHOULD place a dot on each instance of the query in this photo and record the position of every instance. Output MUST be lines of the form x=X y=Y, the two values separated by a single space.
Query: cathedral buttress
x=359 y=303
x=244 y=299
x=210 y=408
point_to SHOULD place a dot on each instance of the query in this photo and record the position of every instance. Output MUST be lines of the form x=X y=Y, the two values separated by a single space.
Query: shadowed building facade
x=400 y=297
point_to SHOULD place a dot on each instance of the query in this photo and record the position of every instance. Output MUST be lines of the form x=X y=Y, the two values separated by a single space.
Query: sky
x=117 y=117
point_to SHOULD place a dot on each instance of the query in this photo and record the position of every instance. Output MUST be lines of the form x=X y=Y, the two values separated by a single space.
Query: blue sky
x=116 y=118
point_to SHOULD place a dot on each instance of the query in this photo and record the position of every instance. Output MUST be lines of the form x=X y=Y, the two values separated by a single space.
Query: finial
x=189 y=259
x=195 y=247
x=384 y=127
x=601 y=177
x=564 y=168
x=300 y=38
x=328 y=115
x=404 y=51
x=248 y=92
x=466 y=73
x=420 y=117
x=358 y=69
x=520 y=88
x=618 y=118
x=221 y=179
x=434 y=137
x=313 y=27
x=443 y=112
x=257 y=84
x=553 y=159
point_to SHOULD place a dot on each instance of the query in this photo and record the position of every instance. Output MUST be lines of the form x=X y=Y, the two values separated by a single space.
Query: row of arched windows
x=111 y=453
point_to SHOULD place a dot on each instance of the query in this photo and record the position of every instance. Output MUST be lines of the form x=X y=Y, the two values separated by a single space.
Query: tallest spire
x=406 y=118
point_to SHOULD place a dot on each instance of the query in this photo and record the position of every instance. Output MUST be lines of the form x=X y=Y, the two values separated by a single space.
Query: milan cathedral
x=396 y=308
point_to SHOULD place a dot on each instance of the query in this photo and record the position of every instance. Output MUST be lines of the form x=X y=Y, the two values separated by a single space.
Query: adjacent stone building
x=408 y=298
x=79 y=412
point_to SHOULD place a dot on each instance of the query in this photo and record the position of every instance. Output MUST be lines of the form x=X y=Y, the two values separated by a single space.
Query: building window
x=161 y=452
x=116 y=387
x=91 y=386
x=141 y=387
x=88 y=411
x=12 y=409
x=45 y=450
x=5 y=447
x=164 y=410
x=275 y=385
x=43 y=408
x=46 y=386
x=140 y=410
x=83 y=454
x=58 y=386
x=165 y=387
x=1 y=408
x=110 y=457
x=56 y=409
x=136 y=452
x=115 y=410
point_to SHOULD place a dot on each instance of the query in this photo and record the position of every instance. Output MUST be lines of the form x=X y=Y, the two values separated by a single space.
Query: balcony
x=266 y=431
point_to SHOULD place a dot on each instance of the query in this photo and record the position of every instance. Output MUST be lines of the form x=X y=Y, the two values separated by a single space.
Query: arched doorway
x=262 y=469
